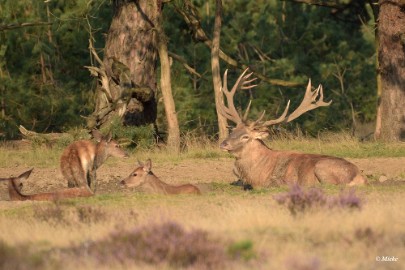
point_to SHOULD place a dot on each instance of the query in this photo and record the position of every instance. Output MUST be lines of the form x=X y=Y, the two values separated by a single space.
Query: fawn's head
x=108 y=145
x=248 y=130
x=139 y=175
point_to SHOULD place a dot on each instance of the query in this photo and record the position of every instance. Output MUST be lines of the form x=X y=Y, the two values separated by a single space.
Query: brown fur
x=14 y=191
x=81 y=159
x=258 y=165
x=144 y=178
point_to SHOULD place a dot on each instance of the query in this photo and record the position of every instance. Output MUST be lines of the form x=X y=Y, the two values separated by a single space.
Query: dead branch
x=184 y=62
x=5 y=27
x=190 y=16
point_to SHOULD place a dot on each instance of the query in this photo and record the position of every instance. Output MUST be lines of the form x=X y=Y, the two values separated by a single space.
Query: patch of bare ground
x=194 y=171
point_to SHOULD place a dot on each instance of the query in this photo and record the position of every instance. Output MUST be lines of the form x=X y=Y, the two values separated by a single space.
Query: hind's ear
x=25 y=175
x=97 y=135
x=148 y=166
x=108 y=137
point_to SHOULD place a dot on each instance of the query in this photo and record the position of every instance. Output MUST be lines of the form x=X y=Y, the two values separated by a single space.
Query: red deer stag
x=14 y=190
x=144 y=178
x=258 y=165
x=81 y=159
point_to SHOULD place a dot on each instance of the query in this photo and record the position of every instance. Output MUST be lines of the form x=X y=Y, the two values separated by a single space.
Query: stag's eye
x=134 y=174
x=245 y=137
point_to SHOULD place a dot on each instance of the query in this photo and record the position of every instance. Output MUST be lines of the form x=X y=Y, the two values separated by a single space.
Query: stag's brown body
x=144 y=178
x=258 y=165
x=14 y=190
x=80 y=160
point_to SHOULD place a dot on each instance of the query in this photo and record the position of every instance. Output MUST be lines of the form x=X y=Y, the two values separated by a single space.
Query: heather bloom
x=299 y=200
x=167 y=243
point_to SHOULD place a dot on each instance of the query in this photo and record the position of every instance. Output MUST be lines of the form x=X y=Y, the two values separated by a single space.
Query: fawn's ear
x=97 y=135
x=148 y=166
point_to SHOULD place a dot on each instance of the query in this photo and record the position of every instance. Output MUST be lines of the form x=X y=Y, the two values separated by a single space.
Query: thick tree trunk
x=130 y=58
x=391 y=59
x=216 y=75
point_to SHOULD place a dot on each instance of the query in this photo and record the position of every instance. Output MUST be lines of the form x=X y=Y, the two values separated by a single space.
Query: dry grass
x=336 y=144
x=330 y=238
x=255 y=231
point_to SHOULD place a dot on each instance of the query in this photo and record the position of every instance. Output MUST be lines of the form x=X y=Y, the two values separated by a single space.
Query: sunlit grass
x=252 y=221
x=346 y=239
x=340 y=144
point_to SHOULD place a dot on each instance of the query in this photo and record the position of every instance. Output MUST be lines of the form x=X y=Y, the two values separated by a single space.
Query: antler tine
x=275 y=121
x=311 y=100
x=230 y=112
x=247 y=111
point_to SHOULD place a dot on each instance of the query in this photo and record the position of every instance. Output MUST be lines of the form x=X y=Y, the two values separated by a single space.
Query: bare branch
x=5 y=27
x=184 y=62
x=321 y=3
x=190 y=16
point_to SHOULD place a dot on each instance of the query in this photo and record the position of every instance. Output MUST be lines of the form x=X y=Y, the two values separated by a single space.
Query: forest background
x=45 y=86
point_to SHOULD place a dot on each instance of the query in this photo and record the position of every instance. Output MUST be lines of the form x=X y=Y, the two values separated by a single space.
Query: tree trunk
x=375 y=8
x=129 y=66
x=173 y=139
x=216 y=74
x=391 y=59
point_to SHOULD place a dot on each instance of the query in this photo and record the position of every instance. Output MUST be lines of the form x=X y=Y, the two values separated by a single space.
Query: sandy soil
x=195 y=171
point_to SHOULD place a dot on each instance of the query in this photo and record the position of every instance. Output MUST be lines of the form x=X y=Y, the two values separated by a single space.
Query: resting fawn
x=143 y=177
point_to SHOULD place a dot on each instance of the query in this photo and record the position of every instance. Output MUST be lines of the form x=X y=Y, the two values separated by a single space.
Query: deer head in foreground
x=81 y=159
x=143 y=177
x=14 y=190
x=258 y=165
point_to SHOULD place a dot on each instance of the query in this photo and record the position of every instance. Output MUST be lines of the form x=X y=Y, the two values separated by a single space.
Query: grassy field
x=224 y=228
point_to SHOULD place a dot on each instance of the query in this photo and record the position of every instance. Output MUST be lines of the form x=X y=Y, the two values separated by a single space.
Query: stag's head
x=248 y=130
x=139 y=175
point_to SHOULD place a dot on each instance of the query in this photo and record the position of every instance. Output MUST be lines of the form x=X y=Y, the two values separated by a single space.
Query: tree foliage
x=45 y=87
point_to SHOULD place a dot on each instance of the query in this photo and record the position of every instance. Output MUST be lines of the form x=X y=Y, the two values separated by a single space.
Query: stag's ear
x=260 y=134
x=148 y=166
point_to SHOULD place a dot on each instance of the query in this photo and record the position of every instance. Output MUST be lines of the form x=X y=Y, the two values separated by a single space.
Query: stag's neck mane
x=251 y=160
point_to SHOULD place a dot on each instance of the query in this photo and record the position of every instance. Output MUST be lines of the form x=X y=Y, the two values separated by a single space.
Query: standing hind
x=81 y=159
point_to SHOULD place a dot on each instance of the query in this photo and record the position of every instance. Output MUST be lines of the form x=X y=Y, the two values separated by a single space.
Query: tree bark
x=216 y=74
x=173 y=139
x=391 y=59
x=129 y=63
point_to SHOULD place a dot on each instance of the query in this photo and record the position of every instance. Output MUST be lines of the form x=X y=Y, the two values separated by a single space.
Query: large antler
x=311 y=100
x=242 y=82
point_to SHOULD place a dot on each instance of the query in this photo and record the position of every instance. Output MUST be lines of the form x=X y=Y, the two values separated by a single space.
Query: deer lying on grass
x=81 y=159
x=143 y=177
x=14 y=190
x=258 y=165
